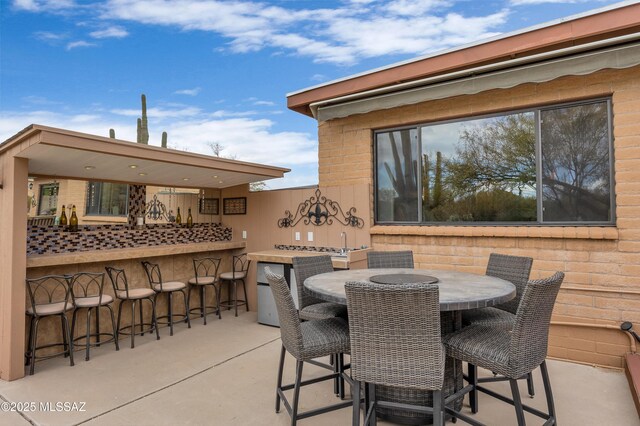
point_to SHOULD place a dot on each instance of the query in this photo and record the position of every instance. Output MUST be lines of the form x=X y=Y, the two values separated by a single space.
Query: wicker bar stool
x=403 y=350
x=206 y=274
x=310 y=307
x=515 y=269
x=238 y=273
x=167 y=287
x=390 y=259
x=48 y=297
x=87 y=293
x=132 y=295
x=513 y=353
x=305 y=341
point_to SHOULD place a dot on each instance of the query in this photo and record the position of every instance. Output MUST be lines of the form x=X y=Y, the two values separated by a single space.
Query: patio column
x=13 y=263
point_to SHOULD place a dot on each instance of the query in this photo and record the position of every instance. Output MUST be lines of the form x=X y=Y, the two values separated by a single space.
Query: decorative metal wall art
x=236 y=205
x=156 y=210
x=320 y=210
x=209 y=206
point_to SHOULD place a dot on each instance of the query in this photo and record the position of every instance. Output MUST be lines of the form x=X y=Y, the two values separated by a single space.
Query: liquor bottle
x=73 y=222
x=178 y=217
x=63 y=218
x=189 y=219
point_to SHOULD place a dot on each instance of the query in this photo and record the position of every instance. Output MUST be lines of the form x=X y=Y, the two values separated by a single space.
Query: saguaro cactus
x=112 y=133
x=164 y=139
x=143 y=123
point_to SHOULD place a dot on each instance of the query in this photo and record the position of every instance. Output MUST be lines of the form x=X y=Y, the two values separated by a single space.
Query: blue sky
x=218 y=71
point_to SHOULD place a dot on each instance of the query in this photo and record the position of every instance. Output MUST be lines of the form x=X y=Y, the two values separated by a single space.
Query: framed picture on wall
x=209 y=206
x=237 y=205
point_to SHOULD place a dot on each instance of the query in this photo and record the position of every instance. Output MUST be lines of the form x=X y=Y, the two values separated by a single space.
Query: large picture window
x=547 y=165
x=107 y=199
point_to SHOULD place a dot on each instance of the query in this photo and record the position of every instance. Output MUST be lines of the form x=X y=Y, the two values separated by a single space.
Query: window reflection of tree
x=575 y=163
x=403 y=175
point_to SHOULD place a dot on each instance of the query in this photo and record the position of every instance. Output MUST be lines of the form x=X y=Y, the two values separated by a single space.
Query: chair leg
x=547 y=391
x=340 y=365
x=235 y=296
x=530 y=389
x=88 y=335
x=246 y=299
x=98 y=326
x=279 y=379
x=517 y=402
x=66 y=332
x=64 y=337
x=133 y=322
x=356 y=404
x=472 y=373
x=203 y=312
x=27 y=355
x=373 y=419
x=113 y=326
x=186 y=308
x=218 y=289
x=296 y=392
x=73 y=322
x=438 y=418
x=154 y=317
x=170 y=310
x=34 y=341
x=141 y=319
x=229 y=283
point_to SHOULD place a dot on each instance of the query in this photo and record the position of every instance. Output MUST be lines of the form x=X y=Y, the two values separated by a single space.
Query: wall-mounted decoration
x=209 y=206
x=156 y=210
x=320 y=210
x=237 y=205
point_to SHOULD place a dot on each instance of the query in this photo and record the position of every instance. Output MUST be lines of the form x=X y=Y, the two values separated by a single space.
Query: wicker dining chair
x=126 y=294
x=513 y=353
x=401 y=350
x=49 y=296
x=515 y=269
x=390 y=259
x=206 y=274
x=310 y=307
x=239 y=271
x=87 y=292
x=305 y=341
x=160 y=286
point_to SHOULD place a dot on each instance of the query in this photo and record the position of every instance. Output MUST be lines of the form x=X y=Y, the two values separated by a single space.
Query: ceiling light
x=185 y=179
x=215 y=176
x=219 y=181
x=133 y=166
x=142 y=174
x=89 y=167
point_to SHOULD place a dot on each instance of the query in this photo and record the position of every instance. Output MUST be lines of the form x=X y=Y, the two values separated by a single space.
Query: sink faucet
x=343 y=237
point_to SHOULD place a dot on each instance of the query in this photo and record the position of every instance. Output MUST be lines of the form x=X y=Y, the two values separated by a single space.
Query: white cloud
x=264 y=103
x=44 y=5
x=80 y=43
x=159 y=113
x=344 y=35
x=532 y=2
x=110 y=32
x=49 y=36
x=188 y=92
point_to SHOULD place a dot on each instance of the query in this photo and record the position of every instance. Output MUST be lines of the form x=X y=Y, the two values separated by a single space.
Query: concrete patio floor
x=224 y=374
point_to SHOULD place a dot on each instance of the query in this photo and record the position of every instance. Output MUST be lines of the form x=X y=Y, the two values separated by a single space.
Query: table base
x=449 y=322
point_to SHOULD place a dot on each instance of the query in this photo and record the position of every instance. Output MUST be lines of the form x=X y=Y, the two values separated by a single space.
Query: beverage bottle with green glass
x=189 y=219
x=178 y=217
x=63 y=217
x=73 y=222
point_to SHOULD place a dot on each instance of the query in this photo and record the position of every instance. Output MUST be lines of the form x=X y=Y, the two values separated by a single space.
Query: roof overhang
x=468 y=82
x=66 y=154
x=599 y=25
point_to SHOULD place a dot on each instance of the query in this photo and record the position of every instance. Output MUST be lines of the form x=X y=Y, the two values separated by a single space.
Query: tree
x=217 y=148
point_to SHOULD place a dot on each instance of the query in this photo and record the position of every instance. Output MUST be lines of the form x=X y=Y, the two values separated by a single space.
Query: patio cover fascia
x=65 y=154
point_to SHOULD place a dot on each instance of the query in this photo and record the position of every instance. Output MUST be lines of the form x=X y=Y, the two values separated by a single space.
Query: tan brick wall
x=602 y=265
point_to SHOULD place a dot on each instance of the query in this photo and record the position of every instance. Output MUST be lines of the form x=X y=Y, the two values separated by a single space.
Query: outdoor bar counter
x=55 y=251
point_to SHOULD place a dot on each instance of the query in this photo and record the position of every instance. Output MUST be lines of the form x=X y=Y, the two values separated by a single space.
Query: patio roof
x=560 y=37
x=65 y=154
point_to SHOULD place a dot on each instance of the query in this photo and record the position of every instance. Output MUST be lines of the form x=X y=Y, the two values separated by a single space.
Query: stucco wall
x=602 y=265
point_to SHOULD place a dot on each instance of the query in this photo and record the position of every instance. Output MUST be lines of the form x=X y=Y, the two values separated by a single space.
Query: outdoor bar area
x=56 y=249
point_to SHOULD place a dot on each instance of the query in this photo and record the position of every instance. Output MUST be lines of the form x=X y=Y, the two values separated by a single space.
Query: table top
x=458 y=290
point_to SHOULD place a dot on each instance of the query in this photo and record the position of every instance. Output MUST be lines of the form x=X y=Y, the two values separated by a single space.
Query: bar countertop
x=36 y=261
x=286 y=256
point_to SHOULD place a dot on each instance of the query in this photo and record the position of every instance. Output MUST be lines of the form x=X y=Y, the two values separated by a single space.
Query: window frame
x=536 y=110
x=87 y=204
x=40 y=190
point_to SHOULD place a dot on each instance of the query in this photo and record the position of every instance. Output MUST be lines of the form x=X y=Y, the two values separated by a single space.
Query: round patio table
x=458 y=291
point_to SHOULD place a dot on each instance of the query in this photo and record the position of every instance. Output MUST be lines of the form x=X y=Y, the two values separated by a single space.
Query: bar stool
x=87 y=293
x=132 y=295
x=48 y=297
x=159 y=286
x=206 y=274
x=238 y=273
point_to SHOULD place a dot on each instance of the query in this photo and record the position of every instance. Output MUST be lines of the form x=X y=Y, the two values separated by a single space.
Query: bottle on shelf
x=189 y=219
x=63 y=218
x=73 y=222
x=178 y=217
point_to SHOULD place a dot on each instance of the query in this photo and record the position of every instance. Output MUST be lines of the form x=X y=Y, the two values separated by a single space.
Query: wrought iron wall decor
x=156 y=210
x=209 y=206
x=320 y=210
x=235 y=205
